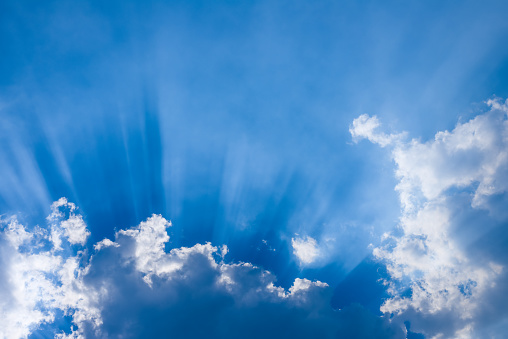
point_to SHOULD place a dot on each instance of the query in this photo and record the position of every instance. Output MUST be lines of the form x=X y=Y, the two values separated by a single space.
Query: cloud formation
x=306 y=249
x=135 y=287
x=41 y=273
x=367 y=127
x=447 y=260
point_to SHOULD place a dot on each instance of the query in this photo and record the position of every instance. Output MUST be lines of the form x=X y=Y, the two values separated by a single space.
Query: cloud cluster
x=447 y=259
x=40 y=274
x=133 y=286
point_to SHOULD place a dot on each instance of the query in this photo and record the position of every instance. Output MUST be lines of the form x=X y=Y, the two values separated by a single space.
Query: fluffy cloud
x=41 y=274
x=72 y=228
x=306 y=249
x=133 y=287
x=447 y=258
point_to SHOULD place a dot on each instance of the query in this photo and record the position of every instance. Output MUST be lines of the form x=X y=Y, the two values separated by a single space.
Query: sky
x=247 y=169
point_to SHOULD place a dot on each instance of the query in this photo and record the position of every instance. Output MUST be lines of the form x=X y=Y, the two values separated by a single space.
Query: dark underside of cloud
x=192 y=305
x=135 y=287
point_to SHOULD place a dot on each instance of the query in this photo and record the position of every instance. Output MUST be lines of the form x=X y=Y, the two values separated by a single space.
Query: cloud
x=444 y=260
x=306 y=249
x=72 y=228
x=41 y=276
x=133 y=286
x=366 y=127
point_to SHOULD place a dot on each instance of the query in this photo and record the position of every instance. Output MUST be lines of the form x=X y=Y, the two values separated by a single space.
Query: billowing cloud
x=447 y=259
x=133 y=286
x=41 y=273
x=305 y=249
x=73 y=228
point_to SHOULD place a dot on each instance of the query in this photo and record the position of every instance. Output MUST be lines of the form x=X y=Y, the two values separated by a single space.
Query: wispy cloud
x=368 y=127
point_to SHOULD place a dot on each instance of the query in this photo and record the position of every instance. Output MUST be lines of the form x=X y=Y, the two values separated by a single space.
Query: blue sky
x=243 y=123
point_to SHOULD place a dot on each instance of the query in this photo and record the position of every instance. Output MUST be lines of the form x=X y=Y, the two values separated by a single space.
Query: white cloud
x=38 y=282
x=104 y=243
x=108 y=293
x=149 y=239
x=368 y=127
x=306 y=249
x=302 y=285
x=73 y=228
x=442 y=183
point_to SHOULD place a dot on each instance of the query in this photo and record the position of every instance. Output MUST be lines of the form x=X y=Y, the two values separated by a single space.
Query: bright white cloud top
x=306 y=249
x=453 y=193
x=107 y=292
x=40 y=275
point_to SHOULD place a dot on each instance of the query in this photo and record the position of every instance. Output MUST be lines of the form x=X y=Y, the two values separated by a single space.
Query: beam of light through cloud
x=236 y=121
x=453 y=192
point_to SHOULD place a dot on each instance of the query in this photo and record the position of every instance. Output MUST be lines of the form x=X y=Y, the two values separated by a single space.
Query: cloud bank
x=135 y=286
x=447 y=259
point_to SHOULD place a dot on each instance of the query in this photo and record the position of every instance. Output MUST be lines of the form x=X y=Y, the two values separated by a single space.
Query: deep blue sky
x=231 y=118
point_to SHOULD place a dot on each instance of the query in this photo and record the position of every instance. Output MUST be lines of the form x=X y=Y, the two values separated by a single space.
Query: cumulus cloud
x=305 y=249
x=73 y=228
x=40 y=277
x=133 y=286
x=445 y=261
